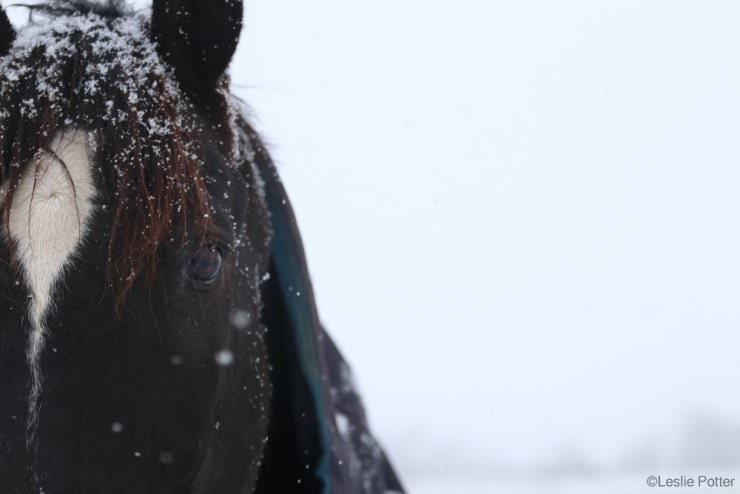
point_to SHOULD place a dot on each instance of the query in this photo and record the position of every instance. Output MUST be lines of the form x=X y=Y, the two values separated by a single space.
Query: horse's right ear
x=197 y=38
x=7 y=33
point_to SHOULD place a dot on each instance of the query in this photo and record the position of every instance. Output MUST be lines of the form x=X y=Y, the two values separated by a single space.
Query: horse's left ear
x=198 y=38
x=7 y=33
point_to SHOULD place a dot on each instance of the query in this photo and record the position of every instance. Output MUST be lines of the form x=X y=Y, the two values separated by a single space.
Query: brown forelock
x=153 y=178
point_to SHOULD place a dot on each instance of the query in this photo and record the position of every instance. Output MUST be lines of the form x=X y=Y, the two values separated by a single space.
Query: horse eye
x=203 y=266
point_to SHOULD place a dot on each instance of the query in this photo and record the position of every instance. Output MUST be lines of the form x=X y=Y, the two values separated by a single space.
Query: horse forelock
x=102 y=75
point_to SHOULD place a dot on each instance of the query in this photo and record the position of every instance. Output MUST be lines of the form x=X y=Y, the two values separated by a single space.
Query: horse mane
x=92 y=66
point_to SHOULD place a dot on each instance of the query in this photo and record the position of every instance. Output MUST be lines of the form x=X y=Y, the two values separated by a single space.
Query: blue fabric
x=350 y=461
x=290 y=269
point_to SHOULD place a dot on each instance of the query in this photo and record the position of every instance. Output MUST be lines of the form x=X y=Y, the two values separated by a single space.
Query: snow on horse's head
x=135 y=240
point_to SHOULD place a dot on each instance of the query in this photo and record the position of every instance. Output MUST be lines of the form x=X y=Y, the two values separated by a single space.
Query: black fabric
x=359 y=464
x=293 y=436
x=321 y=442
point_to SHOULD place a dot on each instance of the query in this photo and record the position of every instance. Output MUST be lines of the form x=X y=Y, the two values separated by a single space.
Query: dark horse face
x=135 y=241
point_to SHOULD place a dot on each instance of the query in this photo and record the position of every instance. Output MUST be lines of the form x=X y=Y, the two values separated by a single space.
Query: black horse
x=158 y=332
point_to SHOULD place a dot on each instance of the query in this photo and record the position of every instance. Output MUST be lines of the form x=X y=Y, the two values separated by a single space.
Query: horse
x=158 y=328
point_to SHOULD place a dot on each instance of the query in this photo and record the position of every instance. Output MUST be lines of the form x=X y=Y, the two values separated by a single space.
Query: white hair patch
x=49 y=216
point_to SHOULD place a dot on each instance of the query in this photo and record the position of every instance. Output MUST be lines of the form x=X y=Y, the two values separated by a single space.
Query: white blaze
x=51 y=209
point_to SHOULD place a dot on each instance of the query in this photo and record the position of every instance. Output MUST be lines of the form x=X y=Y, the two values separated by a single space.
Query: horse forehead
x=50 y=214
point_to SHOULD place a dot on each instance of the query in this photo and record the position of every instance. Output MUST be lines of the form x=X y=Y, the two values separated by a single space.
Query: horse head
x=135 y=243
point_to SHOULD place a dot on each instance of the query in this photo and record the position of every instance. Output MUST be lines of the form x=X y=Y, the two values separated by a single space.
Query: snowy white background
x=523 y=223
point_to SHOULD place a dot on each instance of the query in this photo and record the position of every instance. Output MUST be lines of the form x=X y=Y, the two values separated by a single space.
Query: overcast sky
x=522 y=217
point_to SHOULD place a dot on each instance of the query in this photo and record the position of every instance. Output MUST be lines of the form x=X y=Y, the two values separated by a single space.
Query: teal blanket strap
x=295 y=286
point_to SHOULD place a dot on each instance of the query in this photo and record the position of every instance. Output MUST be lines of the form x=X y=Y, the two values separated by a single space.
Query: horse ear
x=198 y=38
x=7 y=33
